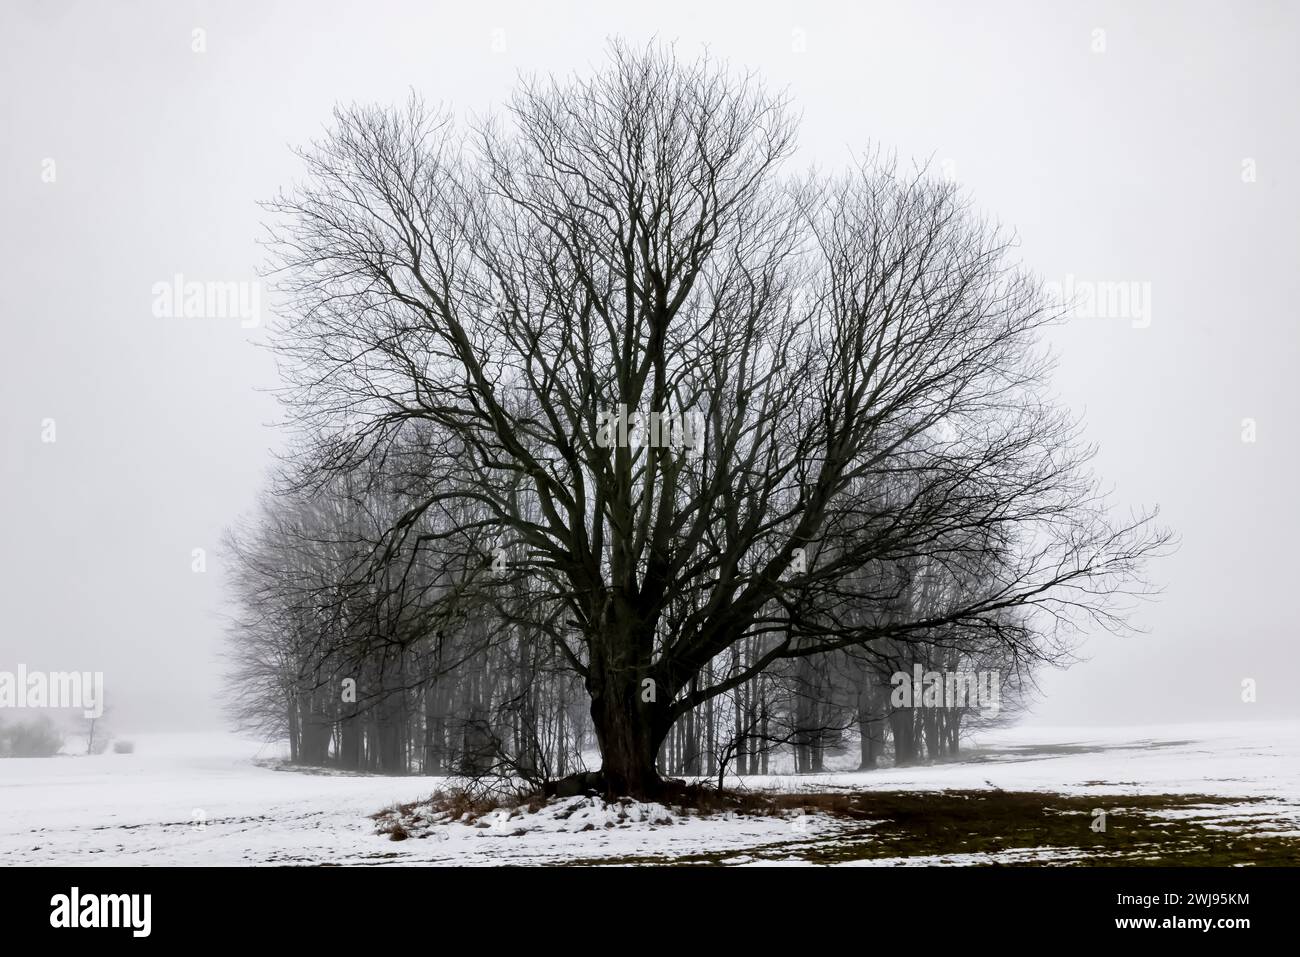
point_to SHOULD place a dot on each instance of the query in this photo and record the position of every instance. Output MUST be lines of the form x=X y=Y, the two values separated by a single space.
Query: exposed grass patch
x=899 y=824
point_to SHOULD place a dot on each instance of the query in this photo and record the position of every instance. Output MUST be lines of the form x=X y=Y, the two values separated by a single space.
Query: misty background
x=1163 y=150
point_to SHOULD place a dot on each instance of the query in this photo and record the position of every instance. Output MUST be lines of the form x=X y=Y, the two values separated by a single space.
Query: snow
x=1232 y=759
x=185 y=799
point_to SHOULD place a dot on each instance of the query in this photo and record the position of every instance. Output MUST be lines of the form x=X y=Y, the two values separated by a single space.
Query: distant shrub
x=38 y=738
x=123 y=747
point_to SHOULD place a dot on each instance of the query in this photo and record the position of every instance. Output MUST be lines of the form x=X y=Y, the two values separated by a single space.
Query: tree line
x=426 y=668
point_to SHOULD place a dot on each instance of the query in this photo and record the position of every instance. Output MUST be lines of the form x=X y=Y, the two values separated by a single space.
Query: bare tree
x=860 y=354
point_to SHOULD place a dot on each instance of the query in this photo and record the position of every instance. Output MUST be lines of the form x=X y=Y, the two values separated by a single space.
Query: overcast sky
x=1125 y=155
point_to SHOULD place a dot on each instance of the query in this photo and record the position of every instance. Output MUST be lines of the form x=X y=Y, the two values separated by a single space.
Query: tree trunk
x=869 y=722
x=903 y=721
x=930 y=728
x=295 y=742
x=350 y=733
x=433 y=731
x=711 y=738
x=629 y=736
x=691 y=758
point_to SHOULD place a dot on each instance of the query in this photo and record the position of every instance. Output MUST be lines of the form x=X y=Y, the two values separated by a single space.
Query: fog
x=1160 y=152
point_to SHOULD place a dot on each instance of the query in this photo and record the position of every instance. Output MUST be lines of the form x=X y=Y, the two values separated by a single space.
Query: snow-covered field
x=1234 y=759
x=215 y=799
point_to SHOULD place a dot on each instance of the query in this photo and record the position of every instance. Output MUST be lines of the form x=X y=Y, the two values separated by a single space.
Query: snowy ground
x=1239 y=759
x=215 y=799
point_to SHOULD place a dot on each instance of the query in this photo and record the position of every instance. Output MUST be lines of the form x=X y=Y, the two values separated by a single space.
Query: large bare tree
x=860 y=353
